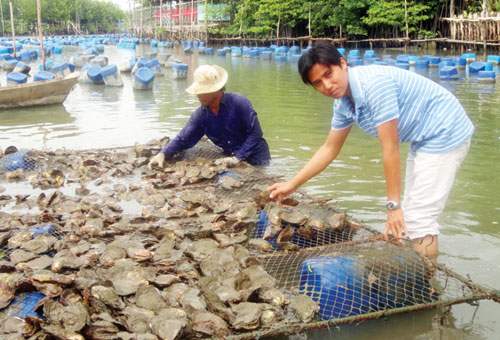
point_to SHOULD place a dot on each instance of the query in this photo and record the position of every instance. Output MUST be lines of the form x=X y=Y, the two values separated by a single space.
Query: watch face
x=391 y=205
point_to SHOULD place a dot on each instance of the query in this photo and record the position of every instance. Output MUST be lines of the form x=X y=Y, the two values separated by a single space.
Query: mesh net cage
x=307 y=245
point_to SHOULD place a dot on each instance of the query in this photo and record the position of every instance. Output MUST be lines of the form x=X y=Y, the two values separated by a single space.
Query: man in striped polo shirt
x=395 y=106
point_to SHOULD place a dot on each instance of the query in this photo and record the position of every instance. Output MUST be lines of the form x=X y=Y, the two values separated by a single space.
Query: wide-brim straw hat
x=208 y=79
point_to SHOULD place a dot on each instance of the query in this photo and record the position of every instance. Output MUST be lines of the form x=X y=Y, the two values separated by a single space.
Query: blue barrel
x=369 y=60
x=488 y=66
x=25 y=56
x=369 y=54
x=402 y=58
x=109 y=70
x=294 y=50
x=144 y=76
x=487 y=76
x=265 y=55
x=44 y=76
x=179 y=70
x=17 y=78
x=209 y=50
x=353 y=54
x=422 y=63
x=447 y=62
x=461 y=62
x=94 y=74
x=495 y=59
x=333 y=282
x=152 y=64
x=412 y=59
x=469 y=57
x=354 y=61
x=476 y=66
x=341 y=50
x=61 y=68
x=448 y=72
x=222 y=52
x=281 y=50
x=280 y=57
x=404 y=66
x=57 y=49
x=236 y=51
x=154 y=43
x=380 y=62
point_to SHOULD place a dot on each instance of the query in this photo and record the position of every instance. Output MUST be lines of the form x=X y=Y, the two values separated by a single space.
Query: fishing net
x=306 y=247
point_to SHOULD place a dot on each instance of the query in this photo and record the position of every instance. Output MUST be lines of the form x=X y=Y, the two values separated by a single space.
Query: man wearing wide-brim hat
x=227 y=119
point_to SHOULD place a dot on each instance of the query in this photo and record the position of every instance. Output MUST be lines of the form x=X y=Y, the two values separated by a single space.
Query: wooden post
x=206 y=22
x=406 y=25
x=40 y=31
x=142 y=21
x=12 y=27
x=309 y=23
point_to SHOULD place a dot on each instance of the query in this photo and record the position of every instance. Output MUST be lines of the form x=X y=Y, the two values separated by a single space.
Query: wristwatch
x=392 y=205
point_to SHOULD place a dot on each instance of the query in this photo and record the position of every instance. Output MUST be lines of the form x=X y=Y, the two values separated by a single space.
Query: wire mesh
x=309 y=247
x=22 y=159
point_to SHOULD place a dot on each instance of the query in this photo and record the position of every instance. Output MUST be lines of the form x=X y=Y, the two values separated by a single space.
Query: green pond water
x=296 y=120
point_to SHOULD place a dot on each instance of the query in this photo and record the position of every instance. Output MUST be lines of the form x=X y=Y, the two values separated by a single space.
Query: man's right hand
x=158 y=160
x=278 y=191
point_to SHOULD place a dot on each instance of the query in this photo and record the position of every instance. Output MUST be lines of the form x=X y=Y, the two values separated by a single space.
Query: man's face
x=206 y=99
x=332 y=80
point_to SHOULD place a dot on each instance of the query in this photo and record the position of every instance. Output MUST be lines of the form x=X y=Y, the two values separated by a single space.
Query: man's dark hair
x=322 y=53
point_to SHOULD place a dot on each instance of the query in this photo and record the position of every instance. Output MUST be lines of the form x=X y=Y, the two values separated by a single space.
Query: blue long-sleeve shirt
x=235 y=129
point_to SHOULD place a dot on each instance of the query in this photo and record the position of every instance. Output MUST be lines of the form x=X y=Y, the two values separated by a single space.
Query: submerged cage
x=307 y=246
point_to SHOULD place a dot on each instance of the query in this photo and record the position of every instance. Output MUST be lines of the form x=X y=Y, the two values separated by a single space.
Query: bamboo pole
x=1 y=14
x=161 y=14
x=12 y=27
x=40 y=32
x=192 y=19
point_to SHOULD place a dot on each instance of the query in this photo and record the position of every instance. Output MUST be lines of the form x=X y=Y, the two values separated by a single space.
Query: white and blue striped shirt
x=429 y=116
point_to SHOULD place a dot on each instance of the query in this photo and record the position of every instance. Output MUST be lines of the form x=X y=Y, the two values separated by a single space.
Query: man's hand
x=227 y=161
x=158 y=160
x=395 y=225
x=278 y=191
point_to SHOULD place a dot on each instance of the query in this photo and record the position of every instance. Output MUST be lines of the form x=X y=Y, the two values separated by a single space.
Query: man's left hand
x=395 y=225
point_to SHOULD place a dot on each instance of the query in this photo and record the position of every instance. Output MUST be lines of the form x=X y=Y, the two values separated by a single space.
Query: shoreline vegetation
x=354 y=23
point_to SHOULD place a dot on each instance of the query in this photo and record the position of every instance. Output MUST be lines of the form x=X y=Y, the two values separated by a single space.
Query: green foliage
x=92 y=15
x=391 y=13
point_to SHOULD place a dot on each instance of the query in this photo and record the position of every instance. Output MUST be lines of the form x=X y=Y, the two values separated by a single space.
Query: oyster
x=108 y=296
x=274 y=296
x=246 y=315
x=169 y=323
x=293 y=216
x=208 y=324
x=303 y=307
x=72 y=317
x=337 y=220
x=148 y=297
x=201 y=249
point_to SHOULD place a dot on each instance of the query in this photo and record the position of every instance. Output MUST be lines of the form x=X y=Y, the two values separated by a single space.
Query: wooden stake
x=40 y=32
x=1 y=14
x=12 y=27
